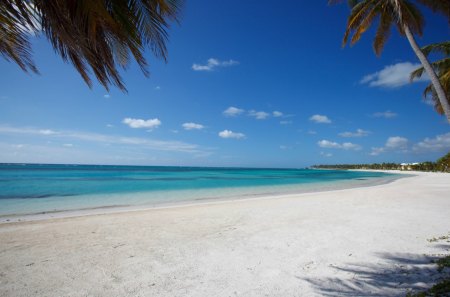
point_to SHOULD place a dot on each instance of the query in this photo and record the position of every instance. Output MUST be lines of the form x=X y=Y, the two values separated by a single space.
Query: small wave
x=36 y=196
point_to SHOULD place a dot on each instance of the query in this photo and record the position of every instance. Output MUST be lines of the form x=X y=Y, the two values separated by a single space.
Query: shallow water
x=36 y=188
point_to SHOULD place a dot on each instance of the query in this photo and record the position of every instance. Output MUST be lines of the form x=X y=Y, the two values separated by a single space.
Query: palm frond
x=412 y=17
x=441 y=67
x=439 y=6
x=383 y=32
x=95 y=36
x=416 y=74
x=430 y=96
x=356 y=18
x=442 y=48
x=15 y=25
x=366 y=22
x=350 y=3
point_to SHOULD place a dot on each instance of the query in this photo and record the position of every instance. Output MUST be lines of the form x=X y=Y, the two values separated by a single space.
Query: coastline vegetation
x=441 y=165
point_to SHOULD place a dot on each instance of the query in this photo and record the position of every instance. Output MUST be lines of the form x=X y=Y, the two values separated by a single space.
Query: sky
x=245 y=86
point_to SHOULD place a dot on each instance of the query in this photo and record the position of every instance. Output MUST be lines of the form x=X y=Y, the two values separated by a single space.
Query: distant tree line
x=441 y=165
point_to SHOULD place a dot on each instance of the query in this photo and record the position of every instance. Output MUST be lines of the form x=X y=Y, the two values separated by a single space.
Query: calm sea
x=37 y=188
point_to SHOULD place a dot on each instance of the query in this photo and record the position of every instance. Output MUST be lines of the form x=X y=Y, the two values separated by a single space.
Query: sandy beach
x=369 y=241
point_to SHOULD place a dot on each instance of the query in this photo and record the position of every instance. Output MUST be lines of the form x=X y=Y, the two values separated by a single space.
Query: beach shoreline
x=110 y=209
x=348 y=242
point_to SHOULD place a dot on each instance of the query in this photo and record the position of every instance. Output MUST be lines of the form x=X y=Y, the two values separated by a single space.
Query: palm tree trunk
x=434 y=79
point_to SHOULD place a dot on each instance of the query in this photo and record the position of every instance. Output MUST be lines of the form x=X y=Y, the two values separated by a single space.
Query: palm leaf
x=357 y=16
x=15 y=25
x=383 y=32
x=440 y=6
x=412 y=17
x=442 y=48
x=95 y=36
x=366 y=22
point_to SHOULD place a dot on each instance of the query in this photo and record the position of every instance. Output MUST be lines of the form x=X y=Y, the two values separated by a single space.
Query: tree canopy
x=442 y=69
x=96 y=36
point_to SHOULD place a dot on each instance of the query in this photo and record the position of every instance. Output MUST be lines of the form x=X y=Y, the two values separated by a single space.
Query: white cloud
x=377 y=150
x=277 y=113
x=106 y=96
x=335 y=145
x=311 y=132
x=326 y=154
x=139 y=123
x=285 y=147
x=358 y=133
x=153 y=144
x=328 y=144
x=385 y=114
x=192 y=126
x=393 y=143
x=259 y=115
x=321 y=119
x=109 y=125
x=285 y=122
x=157 y=88
x=47 y=132
x=392 y=76
x=232 y=111
x=212 y=64
x=397 y=142
x=68 y=145
x=350 y=146
x=231 y=134
x=436 y=144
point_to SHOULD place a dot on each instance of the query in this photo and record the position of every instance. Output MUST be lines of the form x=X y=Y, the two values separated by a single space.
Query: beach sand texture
x=368 y=241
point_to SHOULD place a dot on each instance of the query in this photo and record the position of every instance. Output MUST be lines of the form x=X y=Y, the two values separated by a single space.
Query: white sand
x=356 y=242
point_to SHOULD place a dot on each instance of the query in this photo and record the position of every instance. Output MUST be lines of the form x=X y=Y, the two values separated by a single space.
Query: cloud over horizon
x=192 y=126
x=47 y=132
x=335 y=145
x=153 y=144
x=231 y=134
x=277 y=113
x=212 y=64
x=320 y=119
x=326 y=154
x=438 y=143
x=233 y=111
x=393 y=143
x=385 y=114
x=259 y=115
x=139 y=123
x=393 y=76
x=358 y=133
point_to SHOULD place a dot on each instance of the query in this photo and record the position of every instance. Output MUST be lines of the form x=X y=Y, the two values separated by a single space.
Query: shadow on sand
x=395 y=275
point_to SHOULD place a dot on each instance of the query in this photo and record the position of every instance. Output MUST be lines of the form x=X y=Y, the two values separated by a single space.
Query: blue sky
x=245 y=85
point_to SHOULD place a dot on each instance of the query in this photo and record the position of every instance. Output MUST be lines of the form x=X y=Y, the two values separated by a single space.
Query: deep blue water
x=59 y=184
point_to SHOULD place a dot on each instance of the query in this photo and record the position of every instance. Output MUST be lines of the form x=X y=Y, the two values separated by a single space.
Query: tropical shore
x=369 y=241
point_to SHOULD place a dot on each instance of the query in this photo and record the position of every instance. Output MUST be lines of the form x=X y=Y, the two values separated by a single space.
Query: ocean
x=41 y=188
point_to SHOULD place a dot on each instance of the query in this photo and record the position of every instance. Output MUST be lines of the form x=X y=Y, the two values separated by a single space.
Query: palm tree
x=444 y=163
x=94 y=35
x=441 y=67
x=408 y=20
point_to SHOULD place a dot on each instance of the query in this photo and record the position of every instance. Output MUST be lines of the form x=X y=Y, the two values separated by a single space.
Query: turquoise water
x=34 y=188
